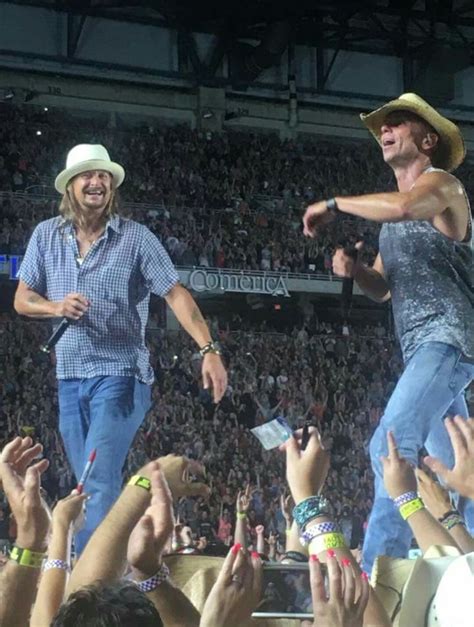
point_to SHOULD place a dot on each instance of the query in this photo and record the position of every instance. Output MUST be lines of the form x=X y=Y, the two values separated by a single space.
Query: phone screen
x=286 y=592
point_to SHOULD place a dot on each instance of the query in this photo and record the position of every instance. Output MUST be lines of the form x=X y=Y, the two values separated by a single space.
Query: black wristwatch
x=211 y=347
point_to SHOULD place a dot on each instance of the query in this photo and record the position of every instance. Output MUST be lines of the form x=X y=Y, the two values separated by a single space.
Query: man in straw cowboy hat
x=98 y=269
x=425 y=267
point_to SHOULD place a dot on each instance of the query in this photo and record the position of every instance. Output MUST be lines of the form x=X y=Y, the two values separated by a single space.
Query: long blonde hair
x=72 y=212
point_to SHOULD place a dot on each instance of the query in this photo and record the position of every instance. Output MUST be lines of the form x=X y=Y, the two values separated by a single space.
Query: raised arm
x=56 y=570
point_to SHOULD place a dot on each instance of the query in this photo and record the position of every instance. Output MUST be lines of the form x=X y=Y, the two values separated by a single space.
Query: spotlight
x=39 y=133
x=207 y=114
x=45 y=109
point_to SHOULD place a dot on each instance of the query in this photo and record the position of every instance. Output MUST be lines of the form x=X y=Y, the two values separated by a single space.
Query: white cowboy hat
x=451 y=150
x=432 y=591
x=85 y=157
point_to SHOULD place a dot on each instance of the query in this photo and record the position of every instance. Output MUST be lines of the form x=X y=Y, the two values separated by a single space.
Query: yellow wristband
x=241 y=515
x=287 y=531
x=327 y=541
x=25 y=557
x=141 y=482
x=411 y=507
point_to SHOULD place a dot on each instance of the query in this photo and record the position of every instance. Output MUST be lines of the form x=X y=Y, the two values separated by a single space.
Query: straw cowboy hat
x=435 y=590
x=451 y=150
x=195 y=575
x=84 y=157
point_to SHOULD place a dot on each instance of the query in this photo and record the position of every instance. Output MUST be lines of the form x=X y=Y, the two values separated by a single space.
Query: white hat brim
x=116 y=170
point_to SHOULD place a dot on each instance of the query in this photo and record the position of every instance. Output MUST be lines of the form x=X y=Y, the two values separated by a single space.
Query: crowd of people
x=311 y=374
x=228 y=200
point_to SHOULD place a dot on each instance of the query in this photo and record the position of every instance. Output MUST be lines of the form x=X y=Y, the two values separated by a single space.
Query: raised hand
x=244 y=499
x=286 y=507
x=19 y=453
x=152 y=532
x=434 y=496
x=237 y=591
x=461 y=477
x=177 y=471
x=22 y=488
x=398 y=474
x=306 y=470
x=70 y=511
x=341 y=608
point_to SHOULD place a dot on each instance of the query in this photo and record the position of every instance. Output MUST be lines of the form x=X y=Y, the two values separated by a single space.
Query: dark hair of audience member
x=119 y=604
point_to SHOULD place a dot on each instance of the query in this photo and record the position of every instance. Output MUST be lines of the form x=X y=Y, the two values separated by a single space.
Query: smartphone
x=286 y=592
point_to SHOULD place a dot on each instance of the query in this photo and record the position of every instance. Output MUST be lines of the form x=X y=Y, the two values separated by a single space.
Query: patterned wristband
x=141 y=482
x=411 y=507
x=310 y=508
x=317 y=530
x=327 y=541
x=150 y=584
x=62 y=565
x=405 y=498
x=452 y=521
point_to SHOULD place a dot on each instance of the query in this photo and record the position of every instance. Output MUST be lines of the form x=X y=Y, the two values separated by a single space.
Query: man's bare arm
x=371 y=280
x=30 y=303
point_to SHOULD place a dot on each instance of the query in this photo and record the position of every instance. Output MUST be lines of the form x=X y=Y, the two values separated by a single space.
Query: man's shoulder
x=50 y=224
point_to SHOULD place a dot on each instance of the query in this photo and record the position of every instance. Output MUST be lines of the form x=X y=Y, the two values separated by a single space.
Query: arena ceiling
x=394 y=27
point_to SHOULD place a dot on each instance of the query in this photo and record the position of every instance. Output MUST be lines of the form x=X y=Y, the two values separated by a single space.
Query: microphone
x=56 y=335
x=348 y=285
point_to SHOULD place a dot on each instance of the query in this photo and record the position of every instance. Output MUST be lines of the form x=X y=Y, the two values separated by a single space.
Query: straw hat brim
x=451 y=150
x=195 y=575
x=116 y=170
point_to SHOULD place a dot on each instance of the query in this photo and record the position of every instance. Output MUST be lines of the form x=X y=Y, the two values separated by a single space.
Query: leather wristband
x=141 y=482
x=210 y=347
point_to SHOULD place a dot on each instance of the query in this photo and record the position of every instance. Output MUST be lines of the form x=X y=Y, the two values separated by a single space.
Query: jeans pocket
x=462 y=373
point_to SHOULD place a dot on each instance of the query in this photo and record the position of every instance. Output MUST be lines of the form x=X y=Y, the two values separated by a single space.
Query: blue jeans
x=102 y=413
x=430 y=388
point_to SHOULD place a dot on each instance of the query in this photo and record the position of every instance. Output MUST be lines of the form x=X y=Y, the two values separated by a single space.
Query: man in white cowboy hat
x=425 y=265
x=98 y=269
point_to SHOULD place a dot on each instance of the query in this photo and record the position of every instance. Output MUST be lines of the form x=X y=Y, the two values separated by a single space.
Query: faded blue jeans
x=102 y=413
x=430 y=388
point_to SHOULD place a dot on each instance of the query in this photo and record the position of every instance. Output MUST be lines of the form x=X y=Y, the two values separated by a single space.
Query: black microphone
x=56 y=335
x=348 y=285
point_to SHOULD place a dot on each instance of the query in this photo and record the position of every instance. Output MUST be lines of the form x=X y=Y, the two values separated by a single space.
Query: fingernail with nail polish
x=236 y=548
x=313 y=558
x=364 y=576
x=331 y=553
x=346 y=562
x=255 y=555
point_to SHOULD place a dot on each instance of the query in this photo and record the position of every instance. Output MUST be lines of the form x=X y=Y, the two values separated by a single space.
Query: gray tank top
x=431 y=282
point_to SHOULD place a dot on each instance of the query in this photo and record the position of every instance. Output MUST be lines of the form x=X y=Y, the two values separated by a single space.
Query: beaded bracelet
x=61 y=564
x=411 y=507
x=327 y=541
x=310 y=508
x=317 y=530
x=451 y=519
x=405 y=498
x=153 y=582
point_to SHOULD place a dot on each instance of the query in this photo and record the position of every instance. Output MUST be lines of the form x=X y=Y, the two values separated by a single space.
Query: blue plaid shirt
x=117 y=275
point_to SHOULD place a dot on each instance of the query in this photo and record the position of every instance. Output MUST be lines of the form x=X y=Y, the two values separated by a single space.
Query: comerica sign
x=204 y=281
